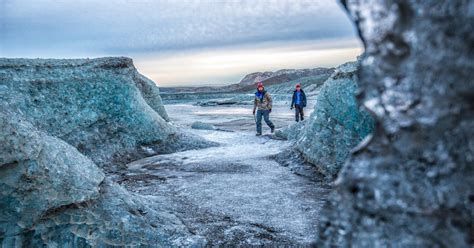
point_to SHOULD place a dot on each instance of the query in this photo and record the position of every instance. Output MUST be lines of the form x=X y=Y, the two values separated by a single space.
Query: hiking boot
x=258 y=134
x=272 y=129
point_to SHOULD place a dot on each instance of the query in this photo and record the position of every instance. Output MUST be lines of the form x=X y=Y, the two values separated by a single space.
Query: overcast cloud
x=146 y=29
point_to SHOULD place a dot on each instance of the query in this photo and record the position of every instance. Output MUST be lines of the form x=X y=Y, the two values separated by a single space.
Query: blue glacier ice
x=336 y=125
x=64 y=126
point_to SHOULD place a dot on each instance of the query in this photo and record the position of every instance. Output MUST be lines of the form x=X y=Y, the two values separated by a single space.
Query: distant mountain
x=189 y=89
x=256 y=77
x=249 y=81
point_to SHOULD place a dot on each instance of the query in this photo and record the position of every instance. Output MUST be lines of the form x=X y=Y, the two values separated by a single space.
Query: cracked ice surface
x=234 y=193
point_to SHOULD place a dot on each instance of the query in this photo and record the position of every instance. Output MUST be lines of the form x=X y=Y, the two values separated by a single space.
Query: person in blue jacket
x=298 y=102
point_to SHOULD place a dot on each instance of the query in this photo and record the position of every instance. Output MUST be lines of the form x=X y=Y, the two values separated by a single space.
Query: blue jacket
x=302 y=99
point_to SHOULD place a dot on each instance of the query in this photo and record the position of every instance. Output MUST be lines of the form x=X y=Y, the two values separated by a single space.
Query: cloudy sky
x=183 y=42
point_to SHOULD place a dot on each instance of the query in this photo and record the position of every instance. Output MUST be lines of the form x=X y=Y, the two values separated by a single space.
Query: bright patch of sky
x=183 y=42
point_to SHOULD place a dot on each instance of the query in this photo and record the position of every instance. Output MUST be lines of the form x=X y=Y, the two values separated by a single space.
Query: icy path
x=235 y=193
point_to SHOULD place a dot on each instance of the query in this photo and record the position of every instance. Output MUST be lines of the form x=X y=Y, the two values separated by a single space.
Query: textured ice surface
x=412 y=184
x=57 y=118
x=337 y=124
x=116 y=218
x=234 y=194
x=39 y=172
x=151 y=94
x=202 y=125
x=291 y=131
x=97 y=106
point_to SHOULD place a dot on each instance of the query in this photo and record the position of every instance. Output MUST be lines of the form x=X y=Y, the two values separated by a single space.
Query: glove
x=270 y=110
x=291 y=108
x=254 y=112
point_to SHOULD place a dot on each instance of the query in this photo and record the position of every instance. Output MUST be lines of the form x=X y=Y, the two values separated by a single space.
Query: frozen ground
x=235 y=193
x=231 y=117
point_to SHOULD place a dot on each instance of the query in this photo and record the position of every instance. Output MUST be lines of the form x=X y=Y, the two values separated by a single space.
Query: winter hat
x=259 y=85
x=298 y=85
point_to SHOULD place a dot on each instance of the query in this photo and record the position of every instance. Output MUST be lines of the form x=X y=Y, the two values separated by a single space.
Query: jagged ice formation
x=412 y=183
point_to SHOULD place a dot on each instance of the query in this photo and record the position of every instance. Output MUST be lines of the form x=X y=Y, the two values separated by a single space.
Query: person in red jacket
x=263 y=105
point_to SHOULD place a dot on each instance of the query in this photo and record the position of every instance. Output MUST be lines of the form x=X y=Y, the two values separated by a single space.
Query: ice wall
x=337 y=123
x=63 y=124
x=412 y=184
x=103 y=107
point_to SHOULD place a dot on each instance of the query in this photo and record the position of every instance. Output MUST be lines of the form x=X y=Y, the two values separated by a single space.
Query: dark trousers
x=266 y=116
x=299 y=113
